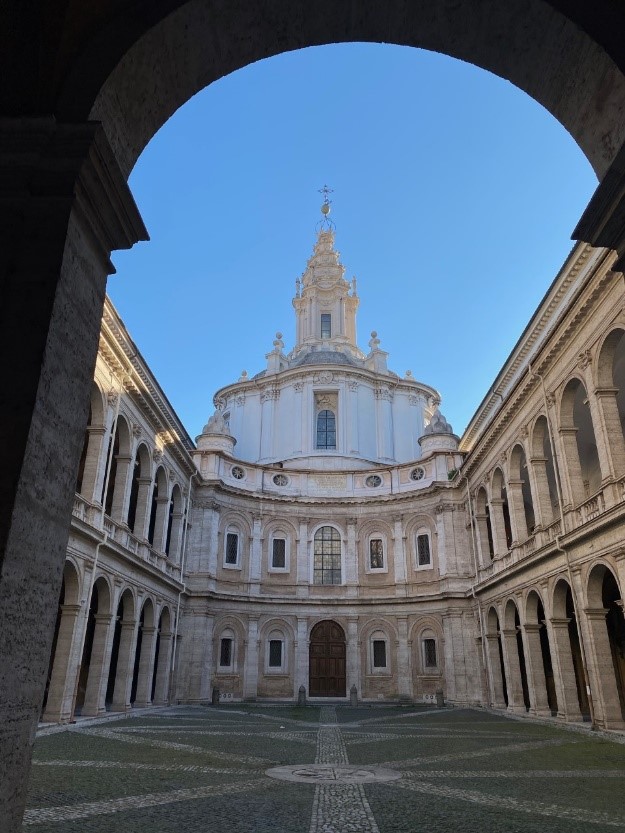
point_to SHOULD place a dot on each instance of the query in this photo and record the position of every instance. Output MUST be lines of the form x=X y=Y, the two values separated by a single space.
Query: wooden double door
x=327 y=660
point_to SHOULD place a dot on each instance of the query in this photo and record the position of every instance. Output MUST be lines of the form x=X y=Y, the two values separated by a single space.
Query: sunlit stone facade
x=327 y=535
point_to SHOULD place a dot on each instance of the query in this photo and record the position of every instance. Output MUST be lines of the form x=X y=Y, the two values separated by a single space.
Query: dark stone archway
x=64 y=205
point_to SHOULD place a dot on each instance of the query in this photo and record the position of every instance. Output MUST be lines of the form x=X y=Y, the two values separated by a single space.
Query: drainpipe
x=86 y=600
x=561 y=549
x=473 y=593
x=183 y=553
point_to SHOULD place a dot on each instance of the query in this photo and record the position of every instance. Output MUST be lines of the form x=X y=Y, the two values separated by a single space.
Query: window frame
x=331 y=569
x=326 y=430
x=423 y=532
x=325 y=318
x=229 y=634
x=379 y=670
x=227 y=565
x=431 y=670
x=376 y=536
x=277 y=536
x=276 y=635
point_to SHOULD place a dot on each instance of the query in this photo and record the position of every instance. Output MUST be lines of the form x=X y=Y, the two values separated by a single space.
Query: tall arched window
x=326 y=429
x=327 y=556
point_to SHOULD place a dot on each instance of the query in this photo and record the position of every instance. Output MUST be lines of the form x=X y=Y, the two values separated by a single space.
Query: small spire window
x=326 y=429
x=326 y=325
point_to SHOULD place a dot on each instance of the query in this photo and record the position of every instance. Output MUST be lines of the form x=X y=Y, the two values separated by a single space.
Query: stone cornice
x=434 y=491
x=340 y=373
x=578 y=270
x=542 y=356
x=122 y=357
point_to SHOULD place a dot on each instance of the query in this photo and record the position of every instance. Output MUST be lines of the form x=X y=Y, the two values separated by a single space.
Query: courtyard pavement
x=361 y=770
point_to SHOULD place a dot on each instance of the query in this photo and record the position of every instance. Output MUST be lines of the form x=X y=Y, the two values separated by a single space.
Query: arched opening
x=514 y=658
x=607 y=630
x=543 y=697
x=326 y=429
x=60 y=682
x=521 y=494
x=122 y=655
x=484 y=527
x=569 y=651
x=162 y=661
x=158 y=511
x=610 y=396
x=591 y=109
x=90 y=458
x=90 y=696
x=116 y=504
x=615 y=623
x=174 y=525
x=83 y=455
x=500 y=514
x=327 y=556
x=327 y=653
x=141 y=690
x=139 y=491
x=544 y=473
x=497 y=669
x=579 y=441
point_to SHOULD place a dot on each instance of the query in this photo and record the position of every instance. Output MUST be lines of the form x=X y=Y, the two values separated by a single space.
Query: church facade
x=329 y=536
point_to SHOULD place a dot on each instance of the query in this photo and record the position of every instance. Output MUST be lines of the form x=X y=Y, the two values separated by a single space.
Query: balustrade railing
x=591 y=508
x=92 y=514
x=529 y=546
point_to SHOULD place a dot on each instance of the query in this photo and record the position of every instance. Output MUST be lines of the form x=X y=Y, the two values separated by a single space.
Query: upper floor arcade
x=135 y=473
x=549 y=462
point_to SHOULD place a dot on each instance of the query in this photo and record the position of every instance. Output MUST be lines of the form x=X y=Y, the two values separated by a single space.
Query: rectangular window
x=275 y=653
x=278 y=553
x=429 y=653
x=376 y=554
x=423 y=551
x=379 y=653
x=326 y=325
x=225 y=653
x=232 y=548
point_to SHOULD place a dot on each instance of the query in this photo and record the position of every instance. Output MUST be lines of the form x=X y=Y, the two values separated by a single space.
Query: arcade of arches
x=542 y=483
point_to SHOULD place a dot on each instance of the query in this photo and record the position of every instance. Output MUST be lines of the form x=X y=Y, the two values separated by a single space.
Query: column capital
x=595 y=612
x=70 y=609
x=604 y=392
x=127 y=624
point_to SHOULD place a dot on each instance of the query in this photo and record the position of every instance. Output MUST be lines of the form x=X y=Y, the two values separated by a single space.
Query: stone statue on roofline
x=438 y=424
x=216 y=424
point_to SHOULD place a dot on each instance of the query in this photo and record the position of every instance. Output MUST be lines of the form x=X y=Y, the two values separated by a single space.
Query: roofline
x=574 y=274
x=111 y=320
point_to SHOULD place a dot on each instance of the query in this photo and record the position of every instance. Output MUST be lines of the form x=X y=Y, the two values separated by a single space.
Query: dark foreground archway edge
x=84 y=87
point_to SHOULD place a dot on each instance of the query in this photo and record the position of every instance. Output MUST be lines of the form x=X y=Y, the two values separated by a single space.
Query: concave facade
x=328 y=536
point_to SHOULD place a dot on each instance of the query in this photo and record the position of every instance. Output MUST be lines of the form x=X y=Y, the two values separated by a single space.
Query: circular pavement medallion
x=332 y=774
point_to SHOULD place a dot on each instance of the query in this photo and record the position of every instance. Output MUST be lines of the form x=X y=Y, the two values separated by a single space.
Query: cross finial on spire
x=326 y=223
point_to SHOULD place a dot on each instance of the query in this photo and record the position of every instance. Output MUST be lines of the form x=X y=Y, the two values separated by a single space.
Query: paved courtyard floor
x=366 y=770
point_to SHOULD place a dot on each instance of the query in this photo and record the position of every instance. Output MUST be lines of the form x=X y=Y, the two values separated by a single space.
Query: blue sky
x=455 y=195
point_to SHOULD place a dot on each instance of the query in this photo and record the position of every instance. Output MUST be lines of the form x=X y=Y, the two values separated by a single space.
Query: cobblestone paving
x=204 y=769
